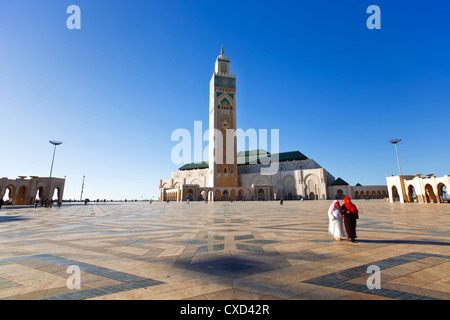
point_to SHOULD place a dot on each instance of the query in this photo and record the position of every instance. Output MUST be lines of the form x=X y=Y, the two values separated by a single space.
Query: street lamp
x=394 y=142
x=55 y=143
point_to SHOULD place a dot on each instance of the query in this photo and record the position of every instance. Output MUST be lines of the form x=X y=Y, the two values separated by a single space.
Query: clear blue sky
x=115 y=90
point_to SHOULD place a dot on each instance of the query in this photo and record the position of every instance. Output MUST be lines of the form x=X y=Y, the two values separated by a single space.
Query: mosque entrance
x=261 y=194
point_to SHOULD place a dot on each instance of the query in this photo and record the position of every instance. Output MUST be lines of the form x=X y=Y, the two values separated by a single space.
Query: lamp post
x=55 y=143
x=394 y=142
x=82 y=187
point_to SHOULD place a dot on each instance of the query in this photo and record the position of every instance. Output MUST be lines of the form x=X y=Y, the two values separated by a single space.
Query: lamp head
x=395 y=141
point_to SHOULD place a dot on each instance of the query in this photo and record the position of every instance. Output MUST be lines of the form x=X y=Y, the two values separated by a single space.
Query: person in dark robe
x=350 y=213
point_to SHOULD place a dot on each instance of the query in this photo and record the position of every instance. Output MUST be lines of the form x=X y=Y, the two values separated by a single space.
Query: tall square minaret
x=222 y=119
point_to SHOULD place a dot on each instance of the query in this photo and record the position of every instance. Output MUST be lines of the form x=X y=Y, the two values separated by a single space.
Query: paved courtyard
x=223 y=250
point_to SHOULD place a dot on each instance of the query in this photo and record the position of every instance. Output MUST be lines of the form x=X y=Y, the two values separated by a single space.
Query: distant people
x=336 y=223
x=86 y=201
x=1 y=203
x=281 y=201
x=350 y=214
x=36 y=203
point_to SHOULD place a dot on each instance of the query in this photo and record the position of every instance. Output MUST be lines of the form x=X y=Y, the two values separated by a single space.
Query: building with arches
x=24 y=191
x=296 y=177
x=415 y=188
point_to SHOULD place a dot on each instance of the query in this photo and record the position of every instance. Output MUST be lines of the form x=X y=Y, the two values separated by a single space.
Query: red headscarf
x=350 y=206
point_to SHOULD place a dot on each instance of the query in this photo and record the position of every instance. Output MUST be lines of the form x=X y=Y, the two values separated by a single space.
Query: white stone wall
x=427 y=189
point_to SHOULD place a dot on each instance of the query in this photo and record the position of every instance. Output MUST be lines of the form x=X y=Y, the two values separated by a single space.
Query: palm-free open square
x=223 y=250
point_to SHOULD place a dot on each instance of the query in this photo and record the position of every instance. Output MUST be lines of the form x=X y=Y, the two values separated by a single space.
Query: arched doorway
x=233 y=195
x=395 y=196
x=312 y=196
x=429 y=194
x=412 y=197
x=442 y=193
x=261 y=195
x=225 y=196
x=40 y=195
x=8 y=197
x=190 y=194
x=21 y=197
x=356 y=195
x=340 y=194
x=217 y=195
x=241 y=195
x=202 y=195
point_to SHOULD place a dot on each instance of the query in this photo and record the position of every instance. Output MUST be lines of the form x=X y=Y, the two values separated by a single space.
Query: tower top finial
x=221 y=51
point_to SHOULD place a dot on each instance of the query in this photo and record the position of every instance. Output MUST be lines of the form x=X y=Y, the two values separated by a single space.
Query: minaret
x=222 y=118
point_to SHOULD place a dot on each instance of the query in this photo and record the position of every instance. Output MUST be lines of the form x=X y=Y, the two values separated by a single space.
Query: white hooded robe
x=336 y=221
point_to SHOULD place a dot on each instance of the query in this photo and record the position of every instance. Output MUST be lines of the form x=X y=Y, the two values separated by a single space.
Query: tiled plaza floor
x=223 y=250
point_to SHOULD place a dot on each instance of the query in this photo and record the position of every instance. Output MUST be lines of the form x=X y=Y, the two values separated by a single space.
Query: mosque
x=297 y=176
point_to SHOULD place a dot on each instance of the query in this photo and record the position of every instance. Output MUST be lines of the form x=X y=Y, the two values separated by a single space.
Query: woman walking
x=335 y=227
x=350 y=213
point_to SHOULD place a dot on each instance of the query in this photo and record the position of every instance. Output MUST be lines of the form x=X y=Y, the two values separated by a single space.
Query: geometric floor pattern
x=223 y=250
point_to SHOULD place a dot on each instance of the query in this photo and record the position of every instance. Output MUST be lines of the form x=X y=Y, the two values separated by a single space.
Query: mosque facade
x=242 y=178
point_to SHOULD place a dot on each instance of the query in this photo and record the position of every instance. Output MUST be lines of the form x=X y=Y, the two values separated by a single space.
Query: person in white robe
x=336 y=221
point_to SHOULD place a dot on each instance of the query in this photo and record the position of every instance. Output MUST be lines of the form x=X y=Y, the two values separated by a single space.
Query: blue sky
x=115 y=90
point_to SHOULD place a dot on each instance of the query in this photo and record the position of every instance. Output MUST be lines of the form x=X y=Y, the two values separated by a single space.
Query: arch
x=261 y=194
x=196 y=181
x=11 y=190
x=225 y=196
x=217 y=195
x=442 y=192
x=312 y=186
x=368 y=195
x=259 y=180
x=340 y=194
x=202 y=195
x=40 y=194
x=395 y=195
x=412 y=197
x=241 y=194
x=190 y=194
x=379 y=194
x=362 y=194
x=21 y=197
x=289 y=186
x=430 y=196
x=356 y=196
x=233 y=195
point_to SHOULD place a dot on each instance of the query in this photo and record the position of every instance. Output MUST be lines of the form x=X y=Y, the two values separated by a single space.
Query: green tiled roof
x=195 y=165
x=252 y=156
x=339 y=182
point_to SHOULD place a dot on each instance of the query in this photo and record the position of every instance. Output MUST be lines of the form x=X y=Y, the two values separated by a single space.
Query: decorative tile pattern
x=223 y=250
x=128 y=281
